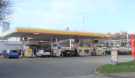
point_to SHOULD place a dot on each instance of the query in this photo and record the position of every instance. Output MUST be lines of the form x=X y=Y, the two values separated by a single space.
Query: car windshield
x=13 y=51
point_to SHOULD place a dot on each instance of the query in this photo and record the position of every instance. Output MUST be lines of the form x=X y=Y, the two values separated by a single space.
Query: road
x=61 y=67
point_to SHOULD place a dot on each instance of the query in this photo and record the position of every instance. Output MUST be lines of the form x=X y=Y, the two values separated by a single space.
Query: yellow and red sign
x=132 y=40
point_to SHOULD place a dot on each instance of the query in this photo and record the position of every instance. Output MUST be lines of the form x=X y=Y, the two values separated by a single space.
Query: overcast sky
x=80 y=15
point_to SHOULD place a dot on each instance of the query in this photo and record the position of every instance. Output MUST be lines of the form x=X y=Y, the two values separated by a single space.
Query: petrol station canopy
x=47 y=34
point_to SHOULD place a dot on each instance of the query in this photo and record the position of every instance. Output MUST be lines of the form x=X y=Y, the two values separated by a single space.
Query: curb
x=105 y=75
x=100 y=74
x=115 y=75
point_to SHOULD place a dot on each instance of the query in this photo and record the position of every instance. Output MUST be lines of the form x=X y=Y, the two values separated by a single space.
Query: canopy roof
x=46 y=34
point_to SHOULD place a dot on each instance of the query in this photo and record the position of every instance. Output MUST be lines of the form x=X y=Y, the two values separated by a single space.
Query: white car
x=124 y=50
x=41 y=53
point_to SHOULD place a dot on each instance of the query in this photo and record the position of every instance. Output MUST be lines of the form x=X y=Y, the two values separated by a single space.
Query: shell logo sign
x=132 y=40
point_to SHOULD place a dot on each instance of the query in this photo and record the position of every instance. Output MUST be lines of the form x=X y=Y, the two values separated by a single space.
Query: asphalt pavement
x=56 y=67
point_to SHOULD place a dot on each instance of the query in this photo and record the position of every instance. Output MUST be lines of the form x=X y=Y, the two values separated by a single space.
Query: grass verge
x=118 y=68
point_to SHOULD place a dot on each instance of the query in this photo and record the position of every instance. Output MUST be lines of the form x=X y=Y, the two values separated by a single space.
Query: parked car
x=42 y=53
x=11 y=54
x=124 y=51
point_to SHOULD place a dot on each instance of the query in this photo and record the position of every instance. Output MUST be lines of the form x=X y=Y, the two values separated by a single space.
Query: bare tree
x=4 y=12
x=4 y=9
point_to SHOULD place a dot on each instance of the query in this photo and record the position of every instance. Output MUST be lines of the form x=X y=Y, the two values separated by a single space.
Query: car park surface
x=56 y=67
